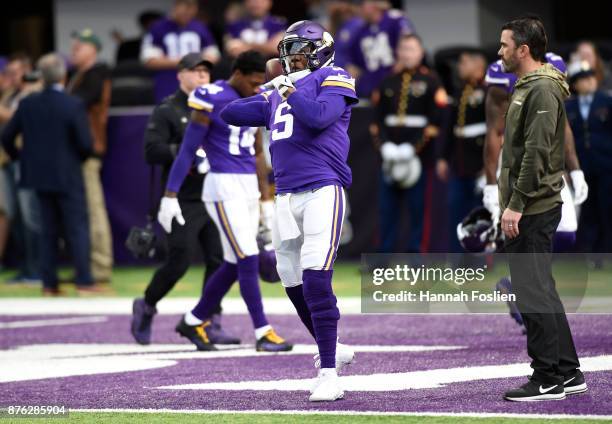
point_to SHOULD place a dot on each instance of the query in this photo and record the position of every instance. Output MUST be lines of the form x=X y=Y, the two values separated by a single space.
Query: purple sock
x=296 y=294
x=216 y=288
x=248 y=278
x=321 y=301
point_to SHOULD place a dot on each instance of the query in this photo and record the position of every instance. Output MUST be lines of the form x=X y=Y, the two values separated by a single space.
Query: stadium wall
x=102 y=17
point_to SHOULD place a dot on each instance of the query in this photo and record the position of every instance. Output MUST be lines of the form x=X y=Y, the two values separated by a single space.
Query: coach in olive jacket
x=530 y=183
x=531 y=180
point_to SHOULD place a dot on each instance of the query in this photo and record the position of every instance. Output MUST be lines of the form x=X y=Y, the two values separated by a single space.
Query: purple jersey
x=256 y=31
x=343 y=39
x=497 y=77
x=302 y=157
x=373 y=49
x=167 y=38
x=229 y=149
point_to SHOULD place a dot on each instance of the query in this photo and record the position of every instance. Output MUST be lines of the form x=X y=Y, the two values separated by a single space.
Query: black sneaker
x=272 y=342
x=575 y=383
x=142 y=318
x=533 y=390
x=196 y=334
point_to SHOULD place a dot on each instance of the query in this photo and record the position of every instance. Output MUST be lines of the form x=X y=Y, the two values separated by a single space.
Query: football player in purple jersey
x=258 y=30
x=308 y=115
x=171 y=38
x=371 y=55
x=231 y=195
x=344 y=22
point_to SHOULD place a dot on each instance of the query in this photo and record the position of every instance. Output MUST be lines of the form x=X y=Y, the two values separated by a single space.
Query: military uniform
x=409 y=111
x=593 y=135
x=463 y=150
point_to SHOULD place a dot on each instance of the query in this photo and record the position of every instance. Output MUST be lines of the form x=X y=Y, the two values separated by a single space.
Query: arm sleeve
x=318 y=113
x=12 y=129
x=539 y=135
x=380 y=112
x=248 y=112
x=447 y=140
x=194 y=134
x=157 y=135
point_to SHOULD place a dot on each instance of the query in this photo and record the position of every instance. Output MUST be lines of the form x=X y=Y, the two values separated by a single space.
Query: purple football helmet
x=477 y=234
x=309 y=39
x=267 y=261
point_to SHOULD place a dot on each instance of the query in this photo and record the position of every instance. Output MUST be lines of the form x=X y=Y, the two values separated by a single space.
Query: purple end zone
x=488 y=340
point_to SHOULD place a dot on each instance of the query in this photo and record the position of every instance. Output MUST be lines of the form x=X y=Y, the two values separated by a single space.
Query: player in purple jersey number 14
x=231 y=195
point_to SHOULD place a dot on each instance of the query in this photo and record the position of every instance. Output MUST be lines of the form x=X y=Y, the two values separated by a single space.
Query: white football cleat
x=327 y=387
x=344 y=356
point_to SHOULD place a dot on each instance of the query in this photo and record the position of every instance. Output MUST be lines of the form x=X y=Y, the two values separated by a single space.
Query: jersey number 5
x=286 y=119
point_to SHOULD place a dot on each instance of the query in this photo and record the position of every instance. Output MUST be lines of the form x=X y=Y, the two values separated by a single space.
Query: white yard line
x=123 y=306
x=52 y=322
x=396 y=381
x=23 y=306
x=344 y=412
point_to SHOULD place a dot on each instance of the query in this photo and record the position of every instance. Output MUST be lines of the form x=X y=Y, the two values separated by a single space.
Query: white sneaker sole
x=548 y=396
x=574 y=390
x=340 y=365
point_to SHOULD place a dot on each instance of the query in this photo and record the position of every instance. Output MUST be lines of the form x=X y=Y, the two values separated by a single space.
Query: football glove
x=490 y=200
x=581 y=189
x=169 y=209
x=282 y=83
x=267 y=213
x=388 y=151
x=405 y=151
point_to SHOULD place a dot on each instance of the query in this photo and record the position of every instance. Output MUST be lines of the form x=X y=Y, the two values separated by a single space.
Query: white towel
x=287 y=227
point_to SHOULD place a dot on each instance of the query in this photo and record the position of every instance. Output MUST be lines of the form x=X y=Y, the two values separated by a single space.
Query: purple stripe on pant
x=227 y=230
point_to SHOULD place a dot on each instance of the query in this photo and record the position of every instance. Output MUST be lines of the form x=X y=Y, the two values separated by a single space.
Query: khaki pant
x=99 y=227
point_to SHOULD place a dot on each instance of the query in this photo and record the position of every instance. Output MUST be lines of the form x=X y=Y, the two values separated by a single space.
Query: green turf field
x=136 y=418
x=131 y=282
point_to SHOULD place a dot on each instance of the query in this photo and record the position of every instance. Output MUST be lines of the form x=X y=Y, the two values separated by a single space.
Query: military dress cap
x=579 y=69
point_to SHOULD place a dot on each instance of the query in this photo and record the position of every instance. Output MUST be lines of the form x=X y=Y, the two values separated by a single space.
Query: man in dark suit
x=589 y=113
x=56 y=139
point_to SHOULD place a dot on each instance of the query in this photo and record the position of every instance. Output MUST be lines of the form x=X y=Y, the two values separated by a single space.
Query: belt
x=410 y=121
x=470 y=131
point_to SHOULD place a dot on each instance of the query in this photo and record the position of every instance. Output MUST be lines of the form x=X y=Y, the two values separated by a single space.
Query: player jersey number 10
x=280 y=117
x=178 y=45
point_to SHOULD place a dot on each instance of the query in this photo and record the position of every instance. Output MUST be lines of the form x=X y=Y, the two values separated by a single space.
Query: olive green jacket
x=531 y=180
